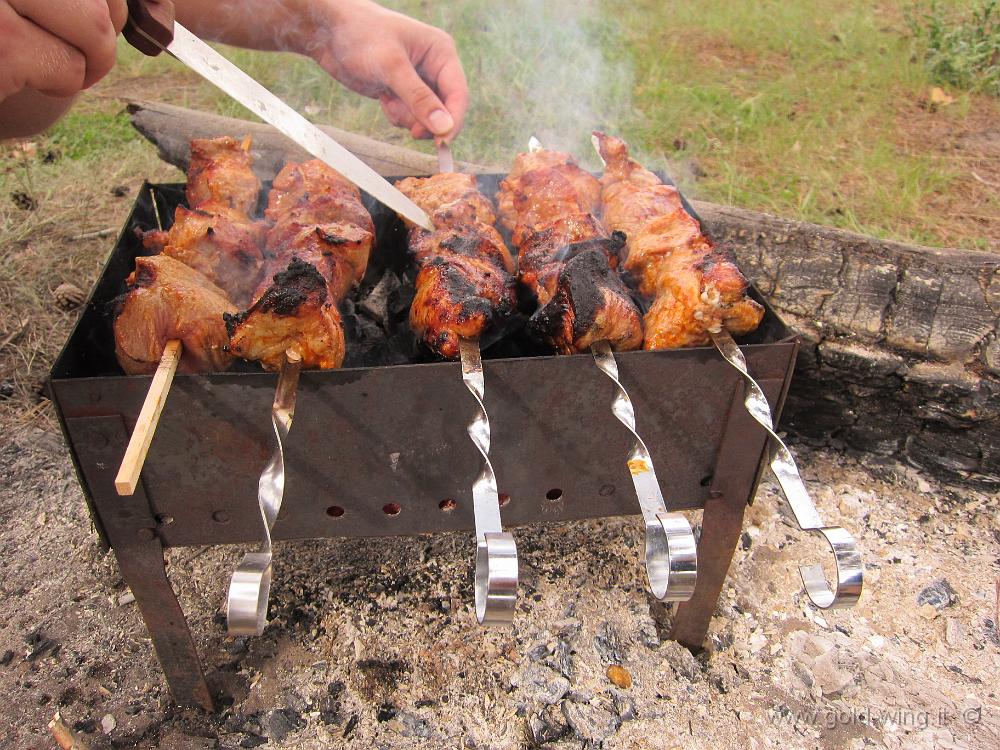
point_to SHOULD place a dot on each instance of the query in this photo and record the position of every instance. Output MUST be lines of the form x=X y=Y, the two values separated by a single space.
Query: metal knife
x=151 y=28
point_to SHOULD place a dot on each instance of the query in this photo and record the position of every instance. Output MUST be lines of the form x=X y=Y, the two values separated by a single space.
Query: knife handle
x=150 y=25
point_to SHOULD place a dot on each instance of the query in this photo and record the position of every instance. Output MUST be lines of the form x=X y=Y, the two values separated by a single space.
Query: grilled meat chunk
x=696 y=287
x=164 y=300
x=218 y=241
x=550 y=202
x=320 y=236
x=464 y=286
x=295 y=311
x=589 y=304
x=219 y=172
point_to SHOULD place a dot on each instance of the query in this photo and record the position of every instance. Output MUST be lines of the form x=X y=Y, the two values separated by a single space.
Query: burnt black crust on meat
x=289 y=289
x=579 y=292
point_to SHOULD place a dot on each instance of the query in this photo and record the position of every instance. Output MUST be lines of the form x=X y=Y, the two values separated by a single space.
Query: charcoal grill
x=377 y=449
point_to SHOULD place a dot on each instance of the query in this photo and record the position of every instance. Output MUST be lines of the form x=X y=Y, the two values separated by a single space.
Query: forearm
x=254 y=24
x=28 y=112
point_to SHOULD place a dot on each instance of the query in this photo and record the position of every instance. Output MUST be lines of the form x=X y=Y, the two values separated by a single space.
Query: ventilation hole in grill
x=706 y=480
x=447 y=505
x=391 y=509
x=554 y=494
x=335 y=511
x=504 y=499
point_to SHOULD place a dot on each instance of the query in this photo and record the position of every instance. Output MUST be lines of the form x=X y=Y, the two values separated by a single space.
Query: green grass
x=962 y=48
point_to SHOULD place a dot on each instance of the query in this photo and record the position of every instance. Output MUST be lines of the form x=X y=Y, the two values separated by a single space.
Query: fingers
x=450 y=83
x=35 y=59
x=425 y=106
x=86 y=25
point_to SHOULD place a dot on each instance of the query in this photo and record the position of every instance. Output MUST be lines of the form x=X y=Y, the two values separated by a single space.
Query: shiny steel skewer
x=670 y=556
x=496 y=552
x=250 y=586
x=850 y=572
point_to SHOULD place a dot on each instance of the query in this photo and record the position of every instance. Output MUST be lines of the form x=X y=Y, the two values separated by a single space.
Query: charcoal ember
x=547 y=726
x=376 y=304
x=539 y=683
x=608 y=644
x=939 y=595
x=7 y=389
x=282 y=722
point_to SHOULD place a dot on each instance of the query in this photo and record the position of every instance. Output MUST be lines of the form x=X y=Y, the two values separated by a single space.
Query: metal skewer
x=250 y=586
x=850 y=572
x=496 y=551
x=670 y=556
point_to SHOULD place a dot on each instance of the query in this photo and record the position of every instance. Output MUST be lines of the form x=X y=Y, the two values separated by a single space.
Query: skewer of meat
x=568 y=259
x=316 y=250
x=565 y=256
x=699 y=295
x=171 y=316
x=695 y=287
x=464 y=287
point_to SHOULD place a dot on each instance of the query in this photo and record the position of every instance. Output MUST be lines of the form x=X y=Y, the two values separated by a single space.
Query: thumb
x=418 y=97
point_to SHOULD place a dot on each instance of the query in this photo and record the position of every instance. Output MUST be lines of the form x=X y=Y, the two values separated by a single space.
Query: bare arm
x=411 y=68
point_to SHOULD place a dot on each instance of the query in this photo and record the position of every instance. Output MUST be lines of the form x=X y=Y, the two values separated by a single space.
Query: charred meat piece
x=695 y=287
x=317 y=249
x=294 y=311
x=550 y=204
x=464 y=286
x=165 y=299
x=590 y=304
x=220 y=173
x=218 y=241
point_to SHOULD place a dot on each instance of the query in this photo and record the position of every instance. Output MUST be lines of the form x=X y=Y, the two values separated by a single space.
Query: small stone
x=7 y=389
x=830 y=677
x=548 y=725
x=539 y=683
x=745 y=715
x=282 y=722
x=108 y=723
x=746 y=541
x=877 y=641
x=590 y=722
x=927 y=611
x=757 y=641
x=939 y=594
x=620 y=676
x=953 y=631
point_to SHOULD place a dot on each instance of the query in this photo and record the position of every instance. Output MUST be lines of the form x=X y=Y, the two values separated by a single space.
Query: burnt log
x=900 y=352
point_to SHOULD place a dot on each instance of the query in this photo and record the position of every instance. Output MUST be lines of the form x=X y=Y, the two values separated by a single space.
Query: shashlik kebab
x=464 y=287
x=695 y=287
x=211 y=254
x=317 y=248
x=565 y=256
x=216 y=235
x=465 y=284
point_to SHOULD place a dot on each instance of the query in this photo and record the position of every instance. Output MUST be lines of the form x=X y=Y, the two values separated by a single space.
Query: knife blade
x=215 y=68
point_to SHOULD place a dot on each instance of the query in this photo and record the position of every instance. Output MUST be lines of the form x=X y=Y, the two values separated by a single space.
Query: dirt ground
x=374 y=643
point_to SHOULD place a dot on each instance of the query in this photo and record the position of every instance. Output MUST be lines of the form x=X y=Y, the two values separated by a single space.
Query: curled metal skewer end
x=671 y=555
x=249 y=590
x=496 y=579
x=496 y=552
x=250 y=585
x=671 y=558
x=850 y=571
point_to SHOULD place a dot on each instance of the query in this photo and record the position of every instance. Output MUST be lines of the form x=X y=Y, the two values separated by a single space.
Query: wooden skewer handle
x=145 y=426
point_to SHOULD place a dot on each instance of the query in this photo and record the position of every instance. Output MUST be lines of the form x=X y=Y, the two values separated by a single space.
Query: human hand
x=57 y=47
x=411 y=68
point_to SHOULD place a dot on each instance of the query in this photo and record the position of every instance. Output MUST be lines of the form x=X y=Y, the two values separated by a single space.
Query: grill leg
x=721 y=525
x=737 y=470
x=143 y=570
x=130 y=528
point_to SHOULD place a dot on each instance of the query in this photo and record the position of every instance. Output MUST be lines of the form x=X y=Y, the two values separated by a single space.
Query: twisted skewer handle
x=671 y=554
x=496 y=552
x=850 y=572
x=250 y=586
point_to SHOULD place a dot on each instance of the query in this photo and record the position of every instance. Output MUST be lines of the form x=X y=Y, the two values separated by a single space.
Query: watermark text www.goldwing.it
x=904 y=718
